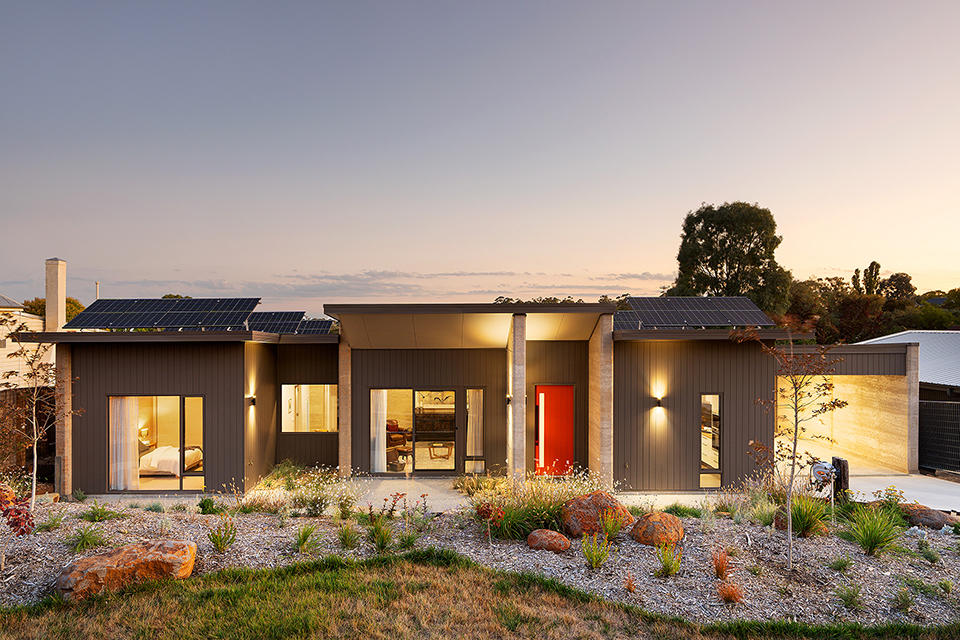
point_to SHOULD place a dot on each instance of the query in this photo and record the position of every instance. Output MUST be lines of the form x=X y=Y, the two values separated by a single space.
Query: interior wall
x=874 y=425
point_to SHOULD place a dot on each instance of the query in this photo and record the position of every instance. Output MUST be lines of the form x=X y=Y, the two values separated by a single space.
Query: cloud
x=646 y=275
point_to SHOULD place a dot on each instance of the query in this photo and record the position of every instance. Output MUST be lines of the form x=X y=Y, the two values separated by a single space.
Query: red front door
x=553 y=451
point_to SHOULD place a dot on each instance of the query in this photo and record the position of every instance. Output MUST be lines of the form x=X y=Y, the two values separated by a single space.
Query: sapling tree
x=30 y=411
x=804 y=392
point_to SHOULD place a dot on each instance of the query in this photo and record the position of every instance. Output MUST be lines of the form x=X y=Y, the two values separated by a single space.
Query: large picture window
x=709 y=440
x=308 y=408
x=156 y=443
x=416 y=430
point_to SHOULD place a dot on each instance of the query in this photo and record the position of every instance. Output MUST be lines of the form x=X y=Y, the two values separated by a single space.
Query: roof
x=461 y=326
x=9 y=303
x=690 y=313
x=939 y=353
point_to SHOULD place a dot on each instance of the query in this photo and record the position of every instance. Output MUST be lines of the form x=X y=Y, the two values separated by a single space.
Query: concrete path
x=441 y=496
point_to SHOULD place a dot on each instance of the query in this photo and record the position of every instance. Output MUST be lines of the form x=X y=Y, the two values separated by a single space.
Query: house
x=938 y=393
x=656 y=398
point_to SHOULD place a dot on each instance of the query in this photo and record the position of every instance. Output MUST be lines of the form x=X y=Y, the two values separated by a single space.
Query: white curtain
x=378 y=430
x=302 y=422
x=124 y=449
x=475 y=422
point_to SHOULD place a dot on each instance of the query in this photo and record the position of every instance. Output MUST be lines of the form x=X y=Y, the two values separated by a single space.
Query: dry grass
x=390 y=598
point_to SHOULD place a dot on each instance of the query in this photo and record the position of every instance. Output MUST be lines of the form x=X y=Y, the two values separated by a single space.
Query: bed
x=165 y=461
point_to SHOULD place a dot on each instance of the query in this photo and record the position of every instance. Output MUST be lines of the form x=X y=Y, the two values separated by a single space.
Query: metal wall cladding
x=560 y=362
x=658 y=448
x=940 y=435
x=432 y=369
x=212 y=370
x=307 y=364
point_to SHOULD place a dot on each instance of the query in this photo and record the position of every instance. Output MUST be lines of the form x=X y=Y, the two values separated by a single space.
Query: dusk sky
x=312 y=153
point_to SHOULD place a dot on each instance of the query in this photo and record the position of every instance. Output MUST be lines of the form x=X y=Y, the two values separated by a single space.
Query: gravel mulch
x=33 y=562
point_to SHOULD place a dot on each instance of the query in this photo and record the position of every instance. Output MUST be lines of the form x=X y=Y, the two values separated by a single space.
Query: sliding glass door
x=156 y=443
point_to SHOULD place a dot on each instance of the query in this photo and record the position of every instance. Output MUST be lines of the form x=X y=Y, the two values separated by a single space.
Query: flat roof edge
x=640 y=335
x=456 y=308
x=93 y=337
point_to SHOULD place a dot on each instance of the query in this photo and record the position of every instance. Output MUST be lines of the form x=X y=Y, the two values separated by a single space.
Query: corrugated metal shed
x=939 y=353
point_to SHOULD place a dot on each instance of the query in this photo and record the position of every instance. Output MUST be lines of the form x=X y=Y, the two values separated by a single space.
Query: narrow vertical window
x=474 y=458
x=709 y=440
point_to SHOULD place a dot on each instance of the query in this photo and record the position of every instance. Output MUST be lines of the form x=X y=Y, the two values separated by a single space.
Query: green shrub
x=919 y=586
x=850 y=596
x=471 y=485
x=669 y=556
x=840 y=564
x=946 y=586
x=808 y=515
x=52 y=522
x=348 y=536
x=956 y=528
x=133 y=504
x=179 y=507
x=763 y=512
x=683 y=511
x=79 y=495
x=928 y=554
x=303 y=541
x=156 y=507
x=100 y=513
x=755 y=569
x=224 y=535
x=208 y=506
x=903 y=600
x=595 y=549
x=381 y=535
x=86 y=537
x=875 y=530
x=611 y=521
x=408 y=539
x=313 y=499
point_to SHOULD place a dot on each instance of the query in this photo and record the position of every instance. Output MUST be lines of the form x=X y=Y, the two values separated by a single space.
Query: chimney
x=56 y=280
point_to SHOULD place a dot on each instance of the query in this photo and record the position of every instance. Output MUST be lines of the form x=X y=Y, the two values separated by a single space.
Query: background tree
x=871 y=280
x=898 y=286
x=729 y=251
x=38 y=307
x=32 y=413
x=621 y=300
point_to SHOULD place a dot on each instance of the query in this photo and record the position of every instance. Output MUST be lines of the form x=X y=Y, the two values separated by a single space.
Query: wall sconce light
x=509 y=398
x=659 y=402
x=253 y=401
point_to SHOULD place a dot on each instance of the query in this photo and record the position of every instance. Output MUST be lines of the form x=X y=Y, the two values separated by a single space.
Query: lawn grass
x=423 y=594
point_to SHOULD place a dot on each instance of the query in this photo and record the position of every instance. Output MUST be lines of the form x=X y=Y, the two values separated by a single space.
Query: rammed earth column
x=601 y=400
x=344 y=413
x=64 y=427
x=517 y=409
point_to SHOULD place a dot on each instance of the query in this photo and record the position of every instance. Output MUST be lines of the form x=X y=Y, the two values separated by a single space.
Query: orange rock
x=581 y=515
x=133 y=563
x=921 y=516
x=657 y=528
x=6 y=493
x=548 y=540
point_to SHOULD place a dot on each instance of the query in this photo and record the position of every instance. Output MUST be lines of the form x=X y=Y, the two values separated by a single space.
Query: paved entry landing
x=441 y=496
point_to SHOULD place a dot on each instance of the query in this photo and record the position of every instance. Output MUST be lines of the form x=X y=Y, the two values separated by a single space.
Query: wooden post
x=841 y=483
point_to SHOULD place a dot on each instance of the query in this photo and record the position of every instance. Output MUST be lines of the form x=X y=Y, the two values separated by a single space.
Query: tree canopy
x=38 y=307
x=729 y=251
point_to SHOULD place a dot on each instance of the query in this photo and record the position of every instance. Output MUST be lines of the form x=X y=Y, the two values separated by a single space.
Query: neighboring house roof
x=690 y=313
x=9 y=303
x=939 y=353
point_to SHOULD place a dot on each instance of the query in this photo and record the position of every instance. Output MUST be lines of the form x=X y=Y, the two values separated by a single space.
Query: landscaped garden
x=862 y=564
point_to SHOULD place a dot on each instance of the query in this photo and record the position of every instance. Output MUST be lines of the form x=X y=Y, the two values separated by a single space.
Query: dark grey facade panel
x=439 y=369
x=310 y=449
x=658 y=449
x=560 y=362
x=307 y=364
x=214 y=371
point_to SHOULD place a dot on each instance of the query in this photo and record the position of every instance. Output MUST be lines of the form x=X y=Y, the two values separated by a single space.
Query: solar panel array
x=682 y=312
x=165 y=313
x=275 y=321
x=194 y=314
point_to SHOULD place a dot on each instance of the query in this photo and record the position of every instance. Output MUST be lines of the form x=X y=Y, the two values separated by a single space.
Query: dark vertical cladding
x=307 y=364
x=436 y=369
x=658 y=448
x=212 y=370
x=260 y=427
x=560 y=362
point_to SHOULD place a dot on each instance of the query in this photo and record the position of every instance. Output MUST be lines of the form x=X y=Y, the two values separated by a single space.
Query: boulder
x=133 y=563
x=581 y=515
x=657 y=528
x=48 y=498
x=548 y=540
x=921 y=516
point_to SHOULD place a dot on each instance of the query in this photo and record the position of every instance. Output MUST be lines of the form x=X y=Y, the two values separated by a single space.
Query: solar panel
x=315 y=326
x=682 y=312
x=275 y=321
x=165 y=313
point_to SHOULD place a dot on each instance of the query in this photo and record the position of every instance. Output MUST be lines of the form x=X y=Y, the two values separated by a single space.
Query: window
x=414 y=430
x=308 y=408
x=156 y=443
x=709 y=440
x=474 y=462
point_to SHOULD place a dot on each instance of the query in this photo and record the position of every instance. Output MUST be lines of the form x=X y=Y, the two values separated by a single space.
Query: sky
x=330 y=152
